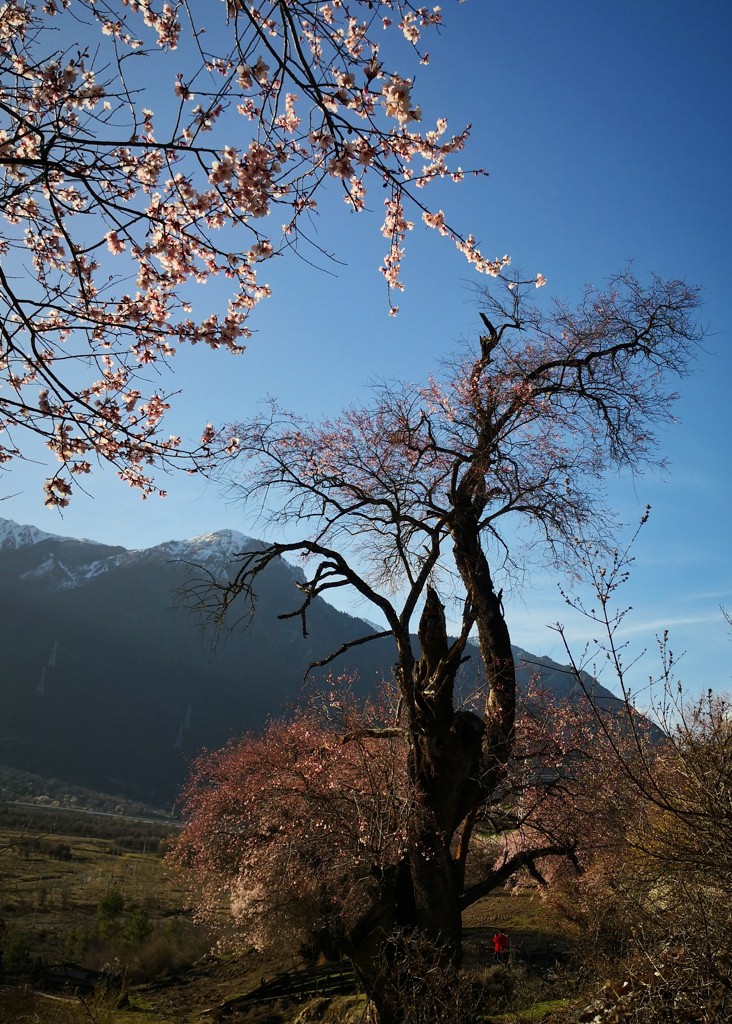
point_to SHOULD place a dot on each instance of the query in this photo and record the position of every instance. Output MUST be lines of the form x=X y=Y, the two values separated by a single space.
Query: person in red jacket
x=500 y=946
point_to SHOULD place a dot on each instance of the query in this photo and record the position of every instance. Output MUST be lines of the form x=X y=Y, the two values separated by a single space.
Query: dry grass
x=47 y=901
x=49 y=907
x=49 y=913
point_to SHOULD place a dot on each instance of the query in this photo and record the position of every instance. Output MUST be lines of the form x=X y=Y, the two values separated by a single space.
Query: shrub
x=74 y=943
x=16 y=957
x=166 y=951
x=662 y=901
x=137 y=928
x=109 y=911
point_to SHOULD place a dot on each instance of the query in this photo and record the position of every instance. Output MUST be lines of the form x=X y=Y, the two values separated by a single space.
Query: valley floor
x=110 y=904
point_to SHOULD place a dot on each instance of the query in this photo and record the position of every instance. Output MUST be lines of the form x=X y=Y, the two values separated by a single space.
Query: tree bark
x=493 y=638
x=456 y=760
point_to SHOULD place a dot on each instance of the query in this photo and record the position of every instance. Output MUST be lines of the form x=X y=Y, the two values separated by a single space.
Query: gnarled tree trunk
x=456 y=760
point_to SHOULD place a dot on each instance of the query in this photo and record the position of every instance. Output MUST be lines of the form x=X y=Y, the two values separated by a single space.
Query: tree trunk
x=456 y=760
x=423 y=915
x=493 y=637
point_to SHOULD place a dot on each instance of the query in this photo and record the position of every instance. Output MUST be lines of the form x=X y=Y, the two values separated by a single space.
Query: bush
x=109 y=911
x=74 y=943
x=661 y=903
x=166 y=951
x=16 y=957
x=137 y=928
x=424 y=987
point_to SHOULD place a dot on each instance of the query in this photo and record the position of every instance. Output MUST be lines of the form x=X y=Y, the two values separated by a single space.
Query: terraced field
x=110 y=906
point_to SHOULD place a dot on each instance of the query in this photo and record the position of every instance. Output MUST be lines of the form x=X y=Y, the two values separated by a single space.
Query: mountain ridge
x=107 y=682
x=220 y=547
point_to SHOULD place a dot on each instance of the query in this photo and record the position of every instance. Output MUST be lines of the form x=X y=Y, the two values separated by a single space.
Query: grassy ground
x=50 y=900
x=58 y=894
x=95 y=904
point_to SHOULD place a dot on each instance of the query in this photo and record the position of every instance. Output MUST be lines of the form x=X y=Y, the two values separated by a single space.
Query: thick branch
x=347 y=647
x=498 y=876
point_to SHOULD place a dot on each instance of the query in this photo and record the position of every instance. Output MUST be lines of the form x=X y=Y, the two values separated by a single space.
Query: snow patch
x=13 y=535
x=217 y=551
x=223 y=544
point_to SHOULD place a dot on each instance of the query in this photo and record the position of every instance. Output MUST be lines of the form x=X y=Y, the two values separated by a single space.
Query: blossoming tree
x=302 y=829
x=147 y=148
x=412 y=496
x=656 y=899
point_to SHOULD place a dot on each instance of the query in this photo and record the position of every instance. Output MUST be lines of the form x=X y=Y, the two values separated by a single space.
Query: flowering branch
x=113 y=211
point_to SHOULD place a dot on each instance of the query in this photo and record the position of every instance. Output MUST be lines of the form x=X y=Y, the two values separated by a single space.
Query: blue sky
x=605 y=130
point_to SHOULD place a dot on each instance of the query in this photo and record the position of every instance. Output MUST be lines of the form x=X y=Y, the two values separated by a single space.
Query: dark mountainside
x=105 y=683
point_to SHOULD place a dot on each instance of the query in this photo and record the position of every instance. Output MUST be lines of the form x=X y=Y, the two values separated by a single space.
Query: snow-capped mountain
x=13 y=535
x=108 y=680
x=63 y=562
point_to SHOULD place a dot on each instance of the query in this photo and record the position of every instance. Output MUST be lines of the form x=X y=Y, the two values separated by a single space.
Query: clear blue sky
x=606 y=132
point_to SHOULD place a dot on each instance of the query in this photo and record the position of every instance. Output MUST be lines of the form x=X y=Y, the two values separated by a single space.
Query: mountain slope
x=105 y=683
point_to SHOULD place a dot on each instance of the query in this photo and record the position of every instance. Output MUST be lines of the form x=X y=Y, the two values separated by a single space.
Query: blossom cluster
x=116 y=203
x=281 y=826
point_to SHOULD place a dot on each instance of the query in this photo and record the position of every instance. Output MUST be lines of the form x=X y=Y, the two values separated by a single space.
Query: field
x=105 y=902
x=109 y=903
